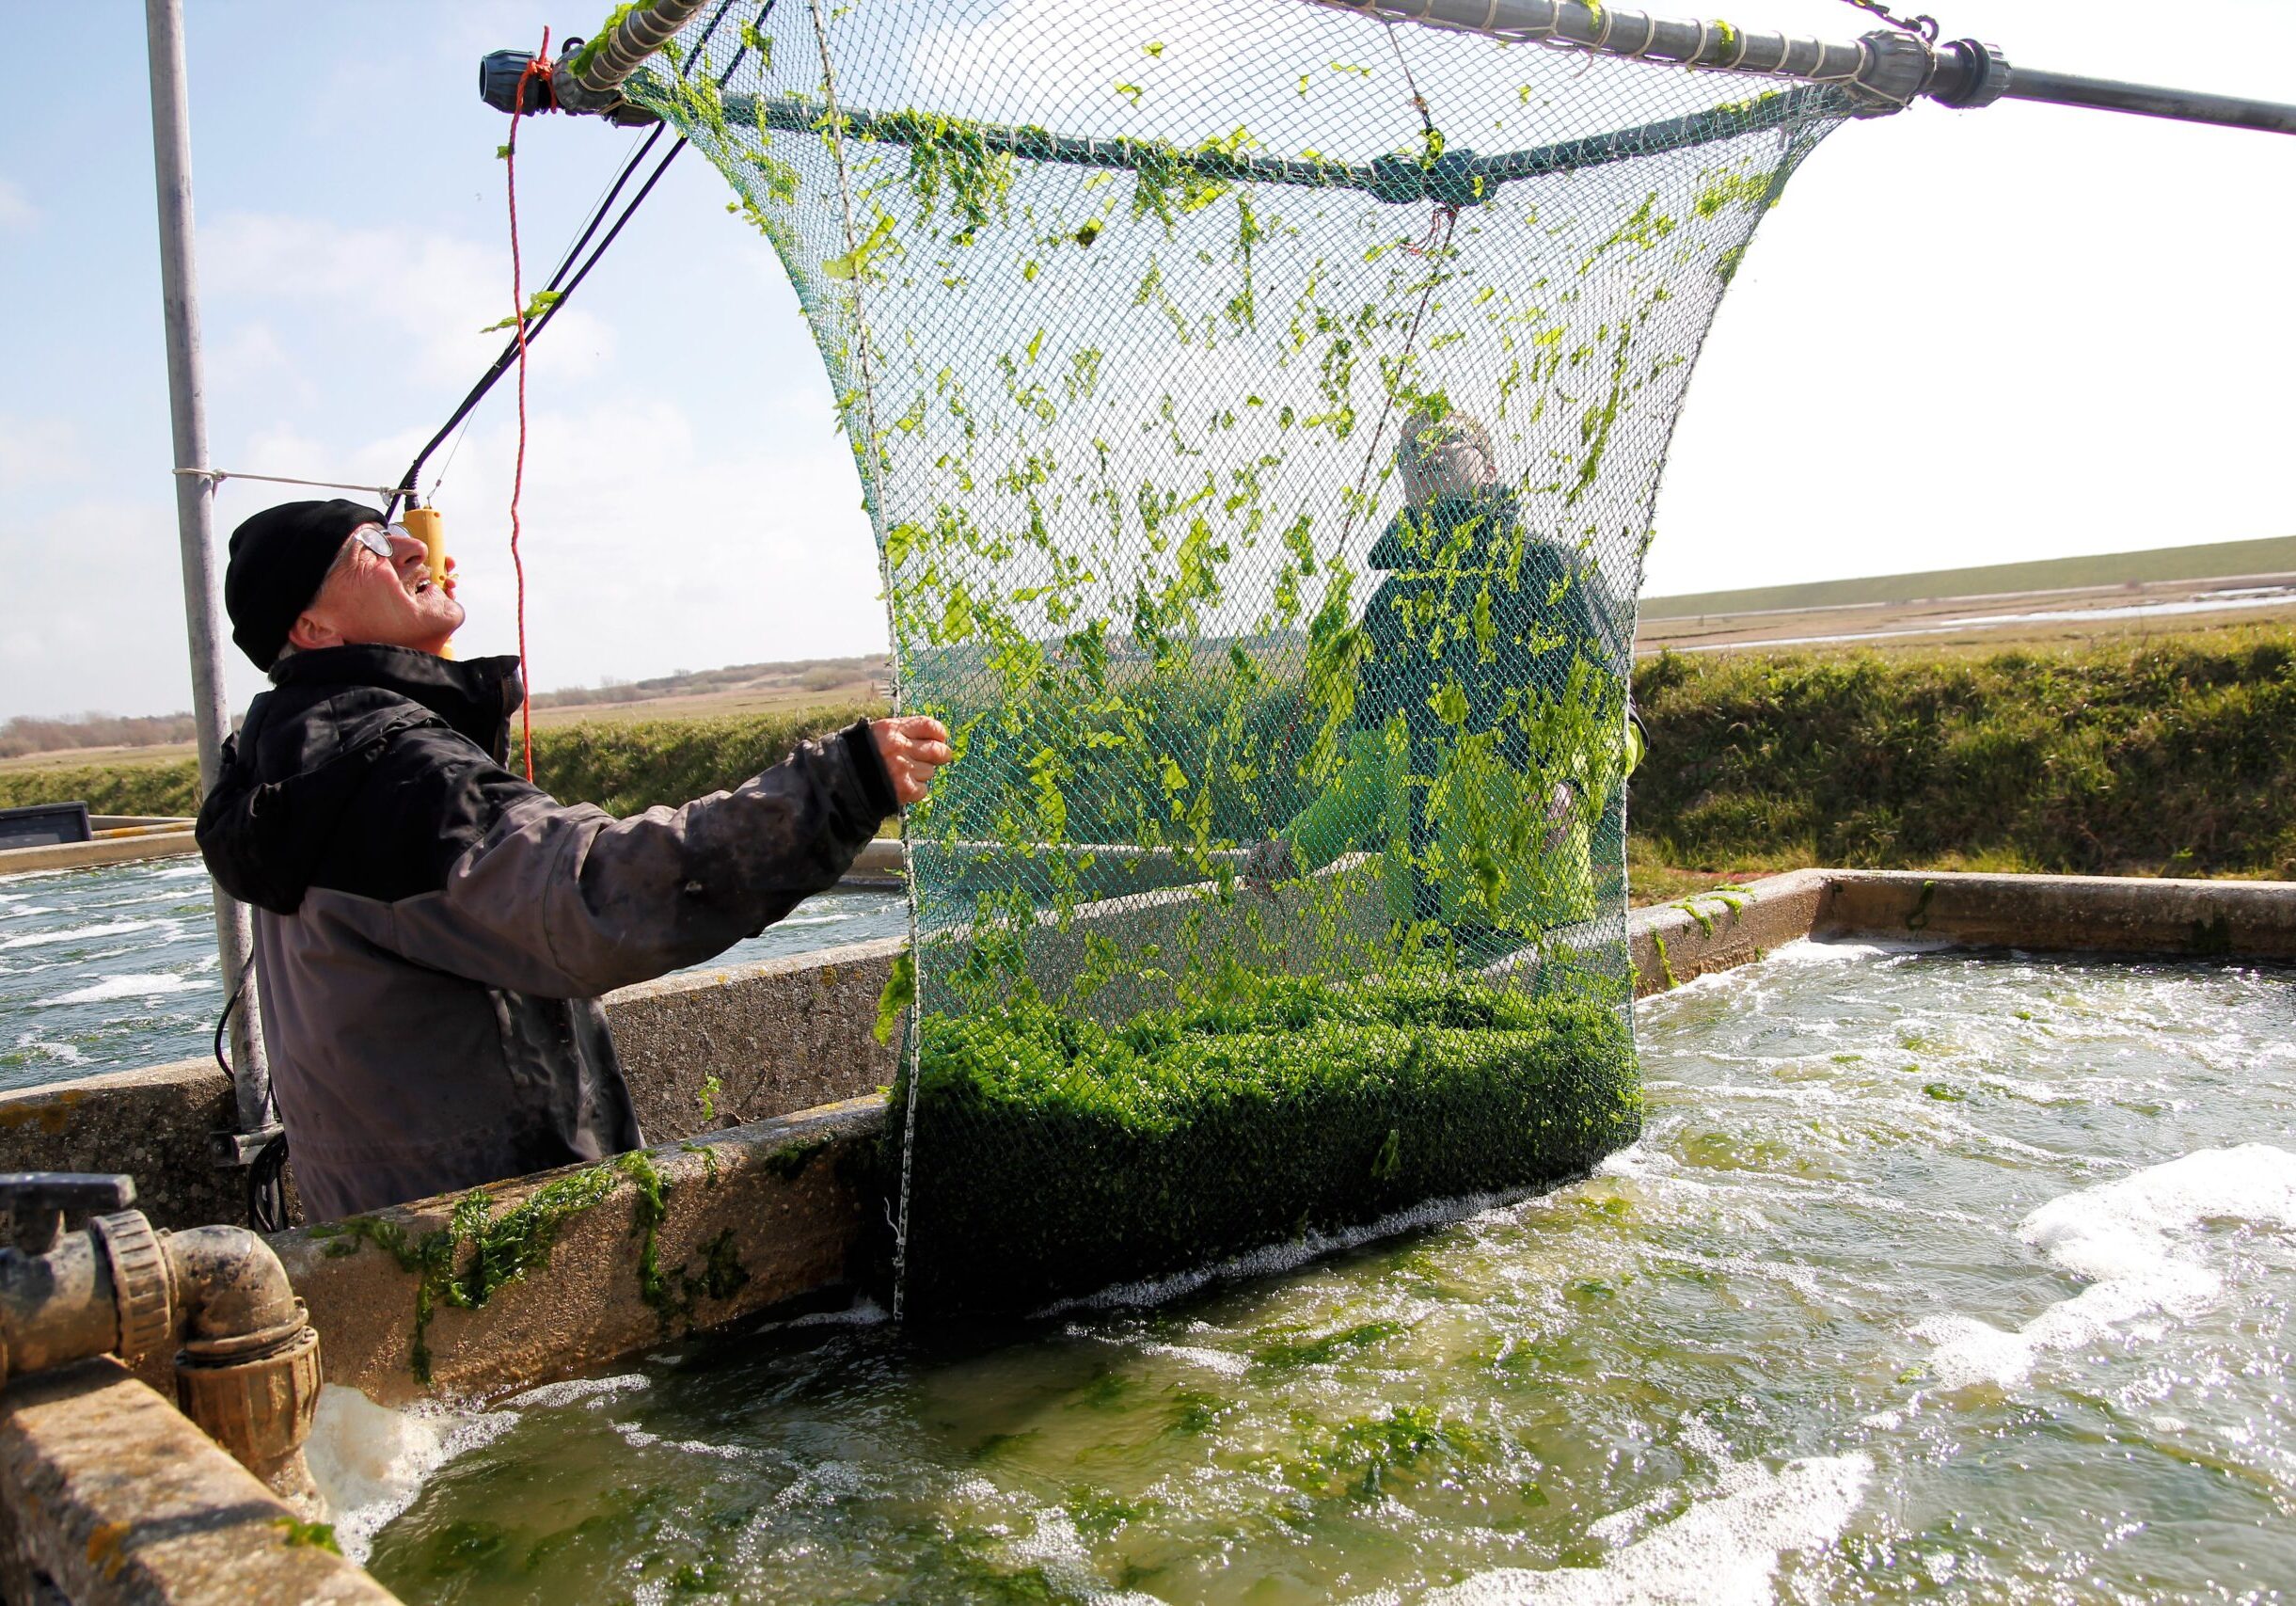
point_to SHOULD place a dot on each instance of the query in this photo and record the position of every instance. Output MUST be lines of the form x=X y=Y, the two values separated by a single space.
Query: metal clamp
x=1969 y=75
x=143 y=1288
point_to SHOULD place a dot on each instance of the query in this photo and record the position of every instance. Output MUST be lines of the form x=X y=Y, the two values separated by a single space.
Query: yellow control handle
x=427 y=526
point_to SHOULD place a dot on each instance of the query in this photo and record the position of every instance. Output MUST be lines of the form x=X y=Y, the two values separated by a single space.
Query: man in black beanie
x=432 y=931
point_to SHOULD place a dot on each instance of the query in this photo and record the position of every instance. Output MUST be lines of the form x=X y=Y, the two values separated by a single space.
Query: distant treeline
x=803 y=674
x=625 y=767
x=24 y=734
x=2166 y=757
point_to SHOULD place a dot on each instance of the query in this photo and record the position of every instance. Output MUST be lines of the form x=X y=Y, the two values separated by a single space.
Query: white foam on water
x=2137 y=1241
x=1225 y=1362
x=574 y=1389
x=370 y=1461
x=1277 y=1259
x=111 y=987
x=1724 y=1550
x=639 y=1439
x=863 y=1312
x=76 y=934
x=1055 y=1548
x=1810 y=950
x=824 y=1482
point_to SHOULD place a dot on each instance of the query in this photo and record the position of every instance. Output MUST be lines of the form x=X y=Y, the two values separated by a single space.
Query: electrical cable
x=559 y=283
x=266 y=1173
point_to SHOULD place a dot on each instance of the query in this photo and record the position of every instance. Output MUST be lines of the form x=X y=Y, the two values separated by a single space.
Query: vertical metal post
x=195 y=511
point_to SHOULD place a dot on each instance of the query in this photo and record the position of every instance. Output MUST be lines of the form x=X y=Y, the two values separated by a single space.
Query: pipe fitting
x=228 y=1284
x=256 y=1395
x=143 y=1285
x=249 y=1372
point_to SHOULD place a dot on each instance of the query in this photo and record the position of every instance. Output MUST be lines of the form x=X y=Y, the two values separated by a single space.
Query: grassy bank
x=2164 y=756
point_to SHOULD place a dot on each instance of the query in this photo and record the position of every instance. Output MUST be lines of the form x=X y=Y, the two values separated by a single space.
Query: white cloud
x=649 y=548
x=40 y=451
x=249 y=354
x=16 y=208
x=434 y=293
x=92 y=616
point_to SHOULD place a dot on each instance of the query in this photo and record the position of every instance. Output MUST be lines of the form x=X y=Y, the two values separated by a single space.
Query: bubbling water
x=1741 y=1363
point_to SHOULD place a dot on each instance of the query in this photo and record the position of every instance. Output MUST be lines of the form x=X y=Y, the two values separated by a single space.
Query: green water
x=1934 y=1279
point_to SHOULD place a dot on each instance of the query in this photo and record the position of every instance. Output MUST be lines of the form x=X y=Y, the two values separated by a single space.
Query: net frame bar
x=1463 y=179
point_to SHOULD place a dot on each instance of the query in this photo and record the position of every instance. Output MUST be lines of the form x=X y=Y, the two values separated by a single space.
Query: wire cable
x=559 y=283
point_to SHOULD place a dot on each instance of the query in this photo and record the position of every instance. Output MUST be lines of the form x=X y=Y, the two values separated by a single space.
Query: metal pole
x=194 y=521
x=2146 y=100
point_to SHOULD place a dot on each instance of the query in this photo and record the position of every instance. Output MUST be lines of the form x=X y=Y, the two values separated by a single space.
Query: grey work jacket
x=432 y=931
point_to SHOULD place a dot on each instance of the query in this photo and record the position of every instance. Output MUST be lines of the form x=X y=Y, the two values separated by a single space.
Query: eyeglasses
x=376 y=539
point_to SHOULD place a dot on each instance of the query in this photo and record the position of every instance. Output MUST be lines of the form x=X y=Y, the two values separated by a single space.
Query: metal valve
x=35 y=1203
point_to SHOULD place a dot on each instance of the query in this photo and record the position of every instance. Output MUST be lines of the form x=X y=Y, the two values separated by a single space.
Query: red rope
x=538 y=68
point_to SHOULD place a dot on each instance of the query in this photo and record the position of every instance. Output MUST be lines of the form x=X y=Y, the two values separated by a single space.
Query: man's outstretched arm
x=567 y=902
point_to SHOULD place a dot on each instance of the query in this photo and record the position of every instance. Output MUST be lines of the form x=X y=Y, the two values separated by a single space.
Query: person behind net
x=432 y=931
x=1489 y=711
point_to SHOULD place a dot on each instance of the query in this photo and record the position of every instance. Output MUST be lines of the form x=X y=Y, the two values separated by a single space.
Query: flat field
x=2107 y=746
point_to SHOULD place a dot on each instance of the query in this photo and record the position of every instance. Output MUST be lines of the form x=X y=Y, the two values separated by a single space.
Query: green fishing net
x=1259 y=409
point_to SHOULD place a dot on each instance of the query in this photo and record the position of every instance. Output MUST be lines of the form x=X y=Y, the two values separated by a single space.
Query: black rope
x=559 y=286
x=267 y=1174
x=1924 y=25
x=267 y=1188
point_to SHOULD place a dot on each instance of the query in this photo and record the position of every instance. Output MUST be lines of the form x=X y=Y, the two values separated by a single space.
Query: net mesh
x=1261 y=410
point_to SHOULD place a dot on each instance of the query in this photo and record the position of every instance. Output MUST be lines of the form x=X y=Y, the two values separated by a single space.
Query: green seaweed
x=708 y=1155
x=296 y=1534
x=1067 y=1156
x=477 y=1253
x=1286 y=1354
x=672 y=1294
x=789 y=1160
x=584 y=57
x=900 y=992
x=1666 y=964
x=1358 y=1458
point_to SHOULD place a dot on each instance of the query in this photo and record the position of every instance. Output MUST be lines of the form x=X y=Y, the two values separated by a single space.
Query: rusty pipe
x=247 y=1372
x=56 y=1308
x=227 y=1283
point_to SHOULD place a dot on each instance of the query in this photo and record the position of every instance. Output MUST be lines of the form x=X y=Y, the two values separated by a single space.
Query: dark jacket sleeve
x=567 y=902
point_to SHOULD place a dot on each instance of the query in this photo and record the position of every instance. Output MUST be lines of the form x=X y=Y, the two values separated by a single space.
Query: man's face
x=371 y=600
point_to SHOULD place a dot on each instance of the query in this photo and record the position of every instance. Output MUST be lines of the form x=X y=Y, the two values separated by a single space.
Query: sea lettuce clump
x=1065 y=1156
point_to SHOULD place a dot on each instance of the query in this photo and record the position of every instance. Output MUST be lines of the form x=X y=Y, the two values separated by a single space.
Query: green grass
x=1055 y=1157
x=2161 y=757
x=2167 y=758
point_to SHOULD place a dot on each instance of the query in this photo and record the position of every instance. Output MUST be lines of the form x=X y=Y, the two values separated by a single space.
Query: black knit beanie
x=277 y=560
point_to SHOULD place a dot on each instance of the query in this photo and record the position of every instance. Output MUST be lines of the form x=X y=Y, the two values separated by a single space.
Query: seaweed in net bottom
x=1067 y=1157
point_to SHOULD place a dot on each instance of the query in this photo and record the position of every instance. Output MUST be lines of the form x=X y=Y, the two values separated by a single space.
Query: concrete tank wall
x=780 y=1035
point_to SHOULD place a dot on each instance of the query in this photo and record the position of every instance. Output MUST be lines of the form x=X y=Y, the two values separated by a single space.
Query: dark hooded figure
x=1488 y=723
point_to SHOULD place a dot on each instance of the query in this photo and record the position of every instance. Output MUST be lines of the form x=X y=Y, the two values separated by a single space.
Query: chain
x=1925 y=26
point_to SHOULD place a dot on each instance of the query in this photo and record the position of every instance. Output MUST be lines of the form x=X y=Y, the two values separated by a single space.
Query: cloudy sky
x=1963 y=337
